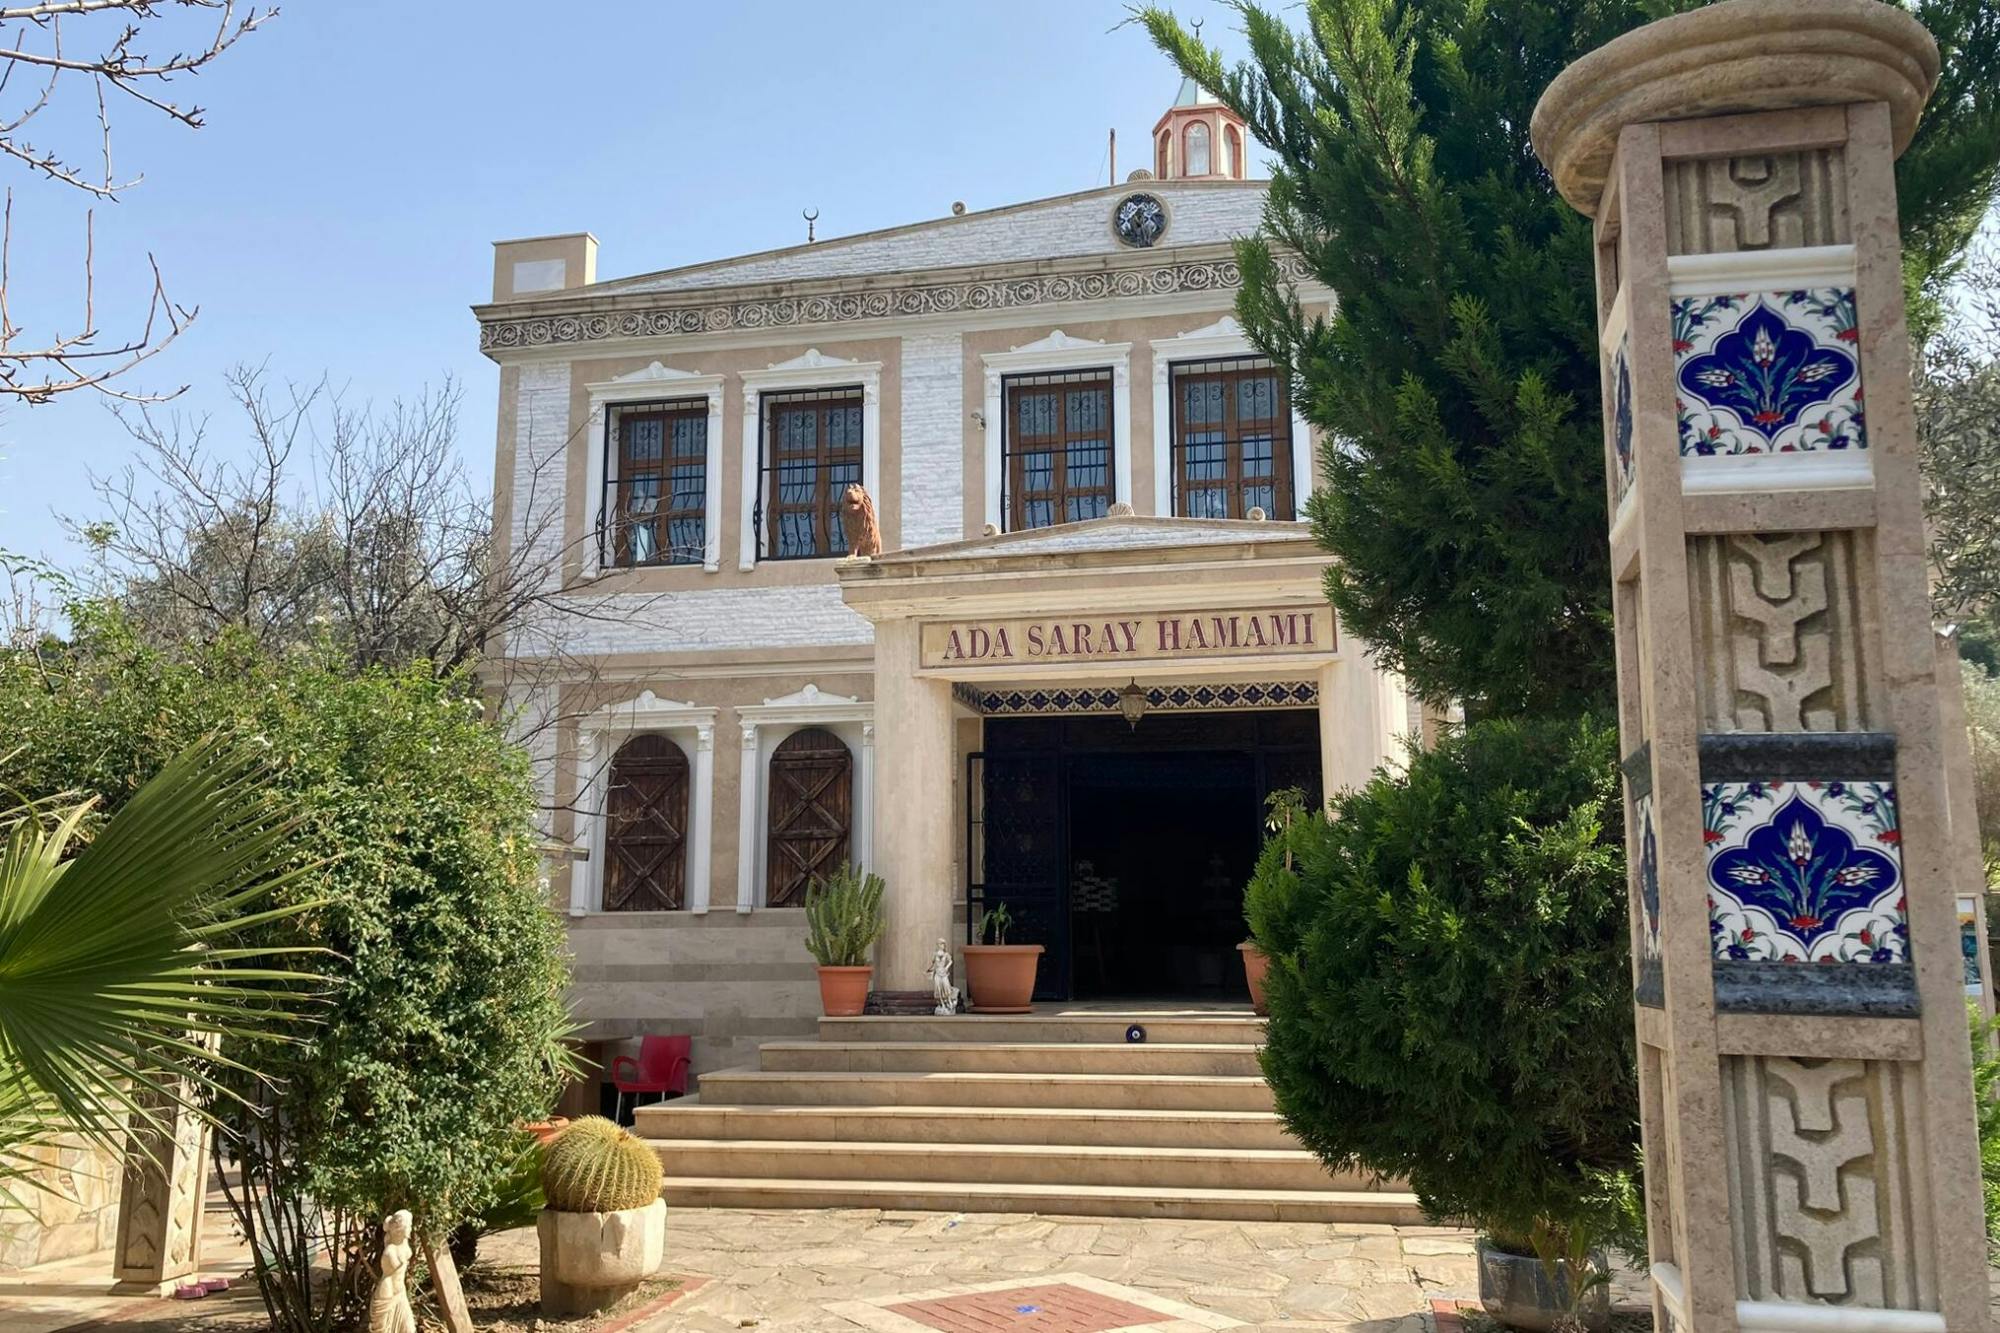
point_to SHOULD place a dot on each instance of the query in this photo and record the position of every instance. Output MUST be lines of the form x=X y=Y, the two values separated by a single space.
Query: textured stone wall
x=78 y=1215
x=933 y=492
x=730 y=980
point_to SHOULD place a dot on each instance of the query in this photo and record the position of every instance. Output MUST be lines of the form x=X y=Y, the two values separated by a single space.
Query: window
x=1058 y=446
x=1166 y=146
x=811 y=454
x=1232 y=440
x=812 y=808
x=1232 y=153
x=1197 y=149
x=645 y=838
x=656 y=478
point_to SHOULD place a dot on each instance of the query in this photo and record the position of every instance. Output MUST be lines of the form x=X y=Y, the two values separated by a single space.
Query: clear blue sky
x=335 y=214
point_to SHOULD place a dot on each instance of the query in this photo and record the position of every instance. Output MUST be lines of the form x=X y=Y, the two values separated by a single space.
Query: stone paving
x=786 y=1269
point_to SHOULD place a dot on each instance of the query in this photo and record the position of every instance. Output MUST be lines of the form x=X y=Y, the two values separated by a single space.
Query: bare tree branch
x=37 y=370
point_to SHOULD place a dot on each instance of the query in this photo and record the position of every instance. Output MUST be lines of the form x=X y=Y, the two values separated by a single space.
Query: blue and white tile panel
x=1767 y=370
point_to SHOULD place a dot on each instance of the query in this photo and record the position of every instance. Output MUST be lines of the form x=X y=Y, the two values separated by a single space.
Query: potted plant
x=1000 y=977
x=604 y=1226
x=1283 y=809
x=843 y=921
x=1554 y=1280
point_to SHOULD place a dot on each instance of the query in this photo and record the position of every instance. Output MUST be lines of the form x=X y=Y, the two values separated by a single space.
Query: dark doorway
x=1161 y=846
x=1125 y=849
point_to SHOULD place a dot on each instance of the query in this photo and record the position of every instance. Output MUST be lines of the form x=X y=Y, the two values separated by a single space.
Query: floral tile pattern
x=1621 y=411
x=1649 y=878
x=1805 y=872
x=1768 y=373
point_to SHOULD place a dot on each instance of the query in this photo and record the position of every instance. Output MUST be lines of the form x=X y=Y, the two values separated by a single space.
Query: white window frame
x=1224 y=338
x=599 y=735
x=765 y=727
x=813 y=370
x=1056 y=354
x=655 y=383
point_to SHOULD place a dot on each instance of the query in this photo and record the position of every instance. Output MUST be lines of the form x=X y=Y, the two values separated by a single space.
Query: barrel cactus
x=595 y=1166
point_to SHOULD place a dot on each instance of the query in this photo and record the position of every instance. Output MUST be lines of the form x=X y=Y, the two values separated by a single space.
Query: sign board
x=1152 y=636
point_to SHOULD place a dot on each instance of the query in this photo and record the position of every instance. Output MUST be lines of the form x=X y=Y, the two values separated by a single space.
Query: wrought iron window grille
x=1062 y=471
x=1230 y=446
x=653 y=509
x=800 y=478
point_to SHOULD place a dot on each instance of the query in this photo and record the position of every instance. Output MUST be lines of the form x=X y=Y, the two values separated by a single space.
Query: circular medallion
x=1139 y=220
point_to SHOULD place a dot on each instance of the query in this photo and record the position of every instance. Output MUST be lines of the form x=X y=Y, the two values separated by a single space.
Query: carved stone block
x=1774 y=201
x=1778 y=625
x=162 y=1198
x=1829 y=1172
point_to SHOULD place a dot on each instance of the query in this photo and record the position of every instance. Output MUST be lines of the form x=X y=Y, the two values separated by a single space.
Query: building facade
x=1095 y=640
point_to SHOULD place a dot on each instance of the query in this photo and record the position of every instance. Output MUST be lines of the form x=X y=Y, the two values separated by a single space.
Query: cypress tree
x=1456 y=382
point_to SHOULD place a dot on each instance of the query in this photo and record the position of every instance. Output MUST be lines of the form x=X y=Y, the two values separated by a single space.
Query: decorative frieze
x=1823 y=1190
x=1168 y=699
x=1778 y=632
x=784 y=311
x=1758 y=202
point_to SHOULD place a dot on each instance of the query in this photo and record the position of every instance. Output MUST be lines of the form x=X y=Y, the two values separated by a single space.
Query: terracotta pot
x=1000 y=978
x=1255 y=965
x=843 y=991
x=544 y=1130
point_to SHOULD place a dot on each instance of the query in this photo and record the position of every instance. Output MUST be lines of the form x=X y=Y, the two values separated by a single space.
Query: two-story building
x=1095 y=642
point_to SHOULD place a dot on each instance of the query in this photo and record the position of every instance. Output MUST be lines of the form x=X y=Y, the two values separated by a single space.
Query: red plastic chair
x=662 y=1067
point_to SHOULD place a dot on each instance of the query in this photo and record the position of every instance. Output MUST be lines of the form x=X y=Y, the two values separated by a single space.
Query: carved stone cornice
x=786 y=307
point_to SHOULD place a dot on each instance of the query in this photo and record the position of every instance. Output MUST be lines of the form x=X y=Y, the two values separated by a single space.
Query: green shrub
x=843 y=917
x=595 y=1166
x=443 y=1023
x=1449 y=992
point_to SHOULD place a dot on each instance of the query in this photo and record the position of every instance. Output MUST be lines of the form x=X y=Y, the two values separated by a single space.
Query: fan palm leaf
x=126 y=986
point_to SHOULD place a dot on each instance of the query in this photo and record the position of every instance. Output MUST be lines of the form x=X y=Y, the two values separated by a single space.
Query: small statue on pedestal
x=389 y=1305
x=942 y=990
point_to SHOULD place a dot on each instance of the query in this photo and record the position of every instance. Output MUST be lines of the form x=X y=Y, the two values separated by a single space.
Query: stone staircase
x=1051 y=1112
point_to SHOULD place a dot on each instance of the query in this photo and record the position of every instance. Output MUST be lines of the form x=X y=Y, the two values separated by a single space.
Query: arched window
x=645 y=837
x=812 y=813
x=1197 y=149
x=1166 y=144
x=1232 y=153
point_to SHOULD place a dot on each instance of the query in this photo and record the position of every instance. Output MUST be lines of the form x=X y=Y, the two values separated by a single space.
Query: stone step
x=1162 y=1025
x=1002 y=1057
x=1173 y=1092
x=693 y=1118
x=1013 y=1164
x=1240 y=1205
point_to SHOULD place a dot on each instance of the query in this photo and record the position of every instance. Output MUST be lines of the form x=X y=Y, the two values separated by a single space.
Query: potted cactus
x=843 y=921
x=1000 y=977
x=604 y=1227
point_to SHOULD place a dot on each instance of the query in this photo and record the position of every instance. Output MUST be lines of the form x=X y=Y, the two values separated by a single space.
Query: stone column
x=161 y=1200
x=1803 y=1064
x=914 y=807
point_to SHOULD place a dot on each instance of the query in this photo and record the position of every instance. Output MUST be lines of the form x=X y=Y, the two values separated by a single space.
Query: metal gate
x=1016 y=840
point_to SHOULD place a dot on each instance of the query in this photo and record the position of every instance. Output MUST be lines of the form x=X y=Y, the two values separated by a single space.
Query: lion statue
x=857 y=519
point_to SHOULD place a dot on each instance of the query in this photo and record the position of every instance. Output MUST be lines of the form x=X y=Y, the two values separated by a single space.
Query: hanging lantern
x=1132 y=704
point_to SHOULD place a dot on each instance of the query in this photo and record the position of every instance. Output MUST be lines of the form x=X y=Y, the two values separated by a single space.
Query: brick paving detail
x=1059 y=1308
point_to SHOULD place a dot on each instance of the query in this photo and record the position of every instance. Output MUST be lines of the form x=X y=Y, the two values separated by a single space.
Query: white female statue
x=942 y=990
x=389 y=1305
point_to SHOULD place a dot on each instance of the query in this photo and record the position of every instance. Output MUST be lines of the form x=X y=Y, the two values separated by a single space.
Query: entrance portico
x=1170 y=604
